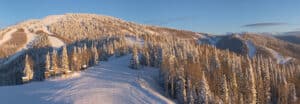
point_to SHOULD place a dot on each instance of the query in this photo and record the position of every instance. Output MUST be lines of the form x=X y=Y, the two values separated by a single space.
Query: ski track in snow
x=109 y=82
x=252 y=49
x=280 y=59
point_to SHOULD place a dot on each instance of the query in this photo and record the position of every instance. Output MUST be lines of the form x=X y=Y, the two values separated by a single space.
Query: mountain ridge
x=72 y=27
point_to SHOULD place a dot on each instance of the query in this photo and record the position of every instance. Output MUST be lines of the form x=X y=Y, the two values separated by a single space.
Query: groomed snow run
x=7 y=36
x=31 y=38
x=251 y=49
x=280 y=59
x=212 y=40
x=109 y=82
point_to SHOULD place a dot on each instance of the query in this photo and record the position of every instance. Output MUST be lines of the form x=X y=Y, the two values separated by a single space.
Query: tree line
x=189 y=72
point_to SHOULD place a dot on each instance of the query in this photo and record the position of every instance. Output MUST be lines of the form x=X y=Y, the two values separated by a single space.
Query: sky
x=209 y=16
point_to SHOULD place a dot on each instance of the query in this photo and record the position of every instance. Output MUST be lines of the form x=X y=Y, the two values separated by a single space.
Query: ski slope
x=110 y=82
x=280 y=59
x=7 y=36
x=252 y=49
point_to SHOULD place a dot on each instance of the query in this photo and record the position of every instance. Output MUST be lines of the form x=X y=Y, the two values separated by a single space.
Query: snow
x=212 y=40
x=55 y=42
x=31 y=37
x=109 y=82
x=7 y=36
x=280 y=59
x=51 y=19
x=134 y=41
x=43 y=23
x=252 y=49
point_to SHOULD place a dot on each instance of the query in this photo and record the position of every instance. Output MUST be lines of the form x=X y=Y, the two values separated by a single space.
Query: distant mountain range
x=293 y=37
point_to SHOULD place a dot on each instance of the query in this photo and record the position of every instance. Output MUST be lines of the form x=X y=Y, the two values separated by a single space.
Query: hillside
x=282 y=51
x=186 y=66
x=57 y=30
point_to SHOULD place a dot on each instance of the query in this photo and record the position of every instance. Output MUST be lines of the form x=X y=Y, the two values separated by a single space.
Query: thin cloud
x=265 y=24
x=297 y=29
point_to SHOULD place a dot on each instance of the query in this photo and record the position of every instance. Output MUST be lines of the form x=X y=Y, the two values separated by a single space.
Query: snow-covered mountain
x=57 y=30
x=68 y=28
x=252 y=44
x=293 y=37
x=63 y=52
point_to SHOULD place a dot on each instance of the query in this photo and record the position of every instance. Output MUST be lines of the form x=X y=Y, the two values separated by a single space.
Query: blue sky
x=211 y=16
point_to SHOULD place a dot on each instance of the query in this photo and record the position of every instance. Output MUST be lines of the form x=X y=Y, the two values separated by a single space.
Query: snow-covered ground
x=134 y=41
x=251 y=49
x=31 y=37
x=109 y=82
x=207 y=39
x=55 y=42
x=30 y=40
x=7 y=36
x=280 y=59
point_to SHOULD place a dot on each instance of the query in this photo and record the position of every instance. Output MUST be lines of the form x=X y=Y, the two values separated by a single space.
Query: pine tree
x=181 y=87
x=134 y=62
x=292 y=97
x=54 y=65
x=251 y=91
x=234 y=92
x=204 y=91
x=241 y=99
x=95 y=56
x=47 y=66
x=65 y=61
x=189 y=91
x=75 y=60
x=224 y=90
x=266 y=83
x=28 y=71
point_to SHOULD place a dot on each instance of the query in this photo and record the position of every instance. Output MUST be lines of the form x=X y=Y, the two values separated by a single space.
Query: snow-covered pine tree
x=95 y=55
x=224 y=91
x=28 y=71
x=134 y=62
x=241 y=99
x=250 y=87
x=74 y=60
x=65 y=61
x=85 y=55
x=181 y=87
x=147 y=58
x=47 y=66
x=265 y=74
x=234 y=89
x=204 y=91
x=54 y=62
x=189 y=91
x=292 y=97
x=104 y=54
